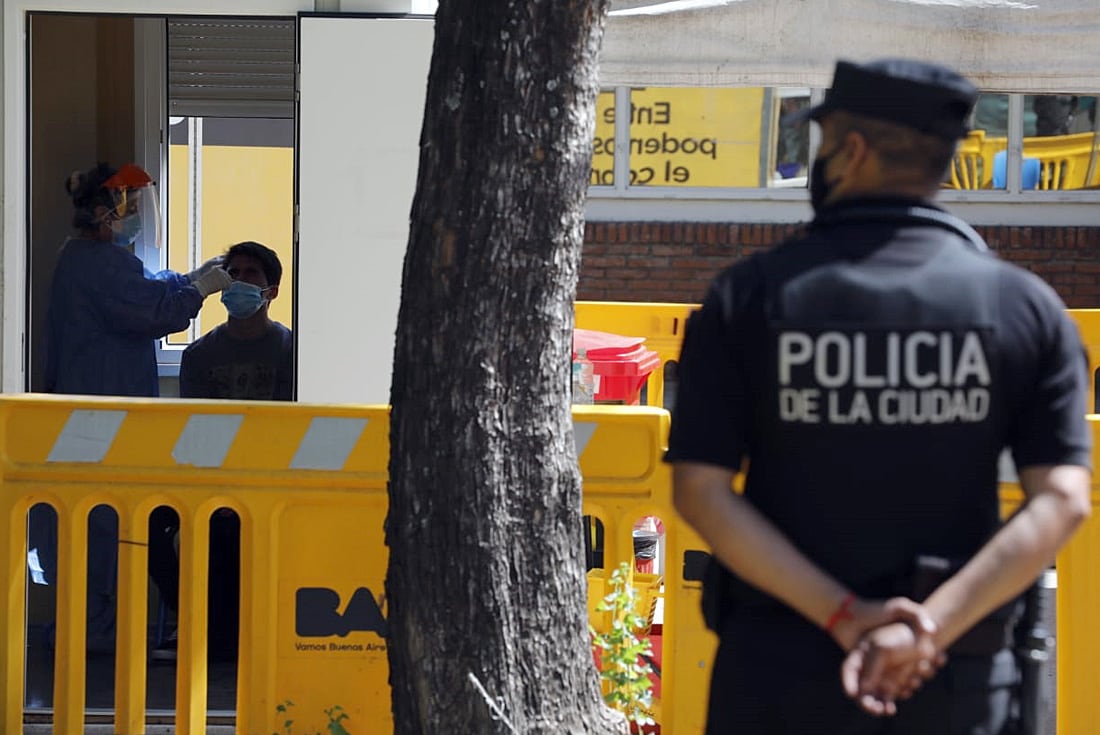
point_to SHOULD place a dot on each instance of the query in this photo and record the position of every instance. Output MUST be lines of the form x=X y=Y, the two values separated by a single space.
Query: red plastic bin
x=622 y=363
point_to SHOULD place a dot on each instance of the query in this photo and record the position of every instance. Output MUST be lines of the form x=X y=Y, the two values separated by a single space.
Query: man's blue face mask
x=242 y=300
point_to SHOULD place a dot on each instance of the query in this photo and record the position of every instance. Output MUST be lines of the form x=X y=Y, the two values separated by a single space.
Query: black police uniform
x=871 y=372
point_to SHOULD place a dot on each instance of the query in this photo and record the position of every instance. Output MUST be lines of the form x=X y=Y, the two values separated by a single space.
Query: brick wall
x=661 y=261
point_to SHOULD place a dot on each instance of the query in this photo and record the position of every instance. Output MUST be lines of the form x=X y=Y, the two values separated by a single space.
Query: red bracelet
x=842 y=612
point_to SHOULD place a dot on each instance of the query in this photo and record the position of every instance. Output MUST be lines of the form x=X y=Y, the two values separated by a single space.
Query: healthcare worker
x=105 y=312
x=105 y=308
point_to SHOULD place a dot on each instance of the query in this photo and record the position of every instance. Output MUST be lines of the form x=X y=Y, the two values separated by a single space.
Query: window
x=684 y=145
x=230 y=179
x=229 y=164
x=703 y=138
x=1058 y=144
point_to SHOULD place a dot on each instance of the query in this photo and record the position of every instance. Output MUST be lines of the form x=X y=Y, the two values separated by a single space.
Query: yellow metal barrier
x=1078 y=639
x=1088 y=324
x=1079 y=587
x=662 y=325
x=619 y=493
x=308 y=484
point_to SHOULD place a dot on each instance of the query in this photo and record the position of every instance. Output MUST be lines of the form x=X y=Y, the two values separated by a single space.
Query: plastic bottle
x=584 y=379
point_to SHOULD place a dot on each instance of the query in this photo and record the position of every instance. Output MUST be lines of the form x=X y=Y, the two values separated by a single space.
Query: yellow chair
x=1064 y=160
x=968 y=170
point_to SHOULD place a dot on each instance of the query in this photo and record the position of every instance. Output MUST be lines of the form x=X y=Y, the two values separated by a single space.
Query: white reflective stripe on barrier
x=582 y=434
x=206 y=439
x=87 y=436
x=328 y=443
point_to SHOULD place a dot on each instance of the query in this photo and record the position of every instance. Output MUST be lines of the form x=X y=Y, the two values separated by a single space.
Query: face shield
x=134 y=210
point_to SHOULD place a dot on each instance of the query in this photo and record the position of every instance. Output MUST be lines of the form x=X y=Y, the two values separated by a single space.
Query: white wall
x=358 y=152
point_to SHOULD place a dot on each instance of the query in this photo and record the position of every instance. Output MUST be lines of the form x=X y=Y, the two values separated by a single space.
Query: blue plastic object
x=1029 y=176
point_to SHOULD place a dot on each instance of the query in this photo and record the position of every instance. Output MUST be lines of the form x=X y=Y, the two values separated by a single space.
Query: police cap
x=927 y=97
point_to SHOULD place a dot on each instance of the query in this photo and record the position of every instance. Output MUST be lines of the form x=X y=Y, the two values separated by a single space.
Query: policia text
x=883 y=378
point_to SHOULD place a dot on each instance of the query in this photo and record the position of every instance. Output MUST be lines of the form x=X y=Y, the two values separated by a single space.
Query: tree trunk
x=486 y=574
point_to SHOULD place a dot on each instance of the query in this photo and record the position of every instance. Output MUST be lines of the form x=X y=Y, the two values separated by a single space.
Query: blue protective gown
x=104 y=314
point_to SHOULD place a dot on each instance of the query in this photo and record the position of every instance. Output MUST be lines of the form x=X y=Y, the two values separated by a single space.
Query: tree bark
x=486 y=574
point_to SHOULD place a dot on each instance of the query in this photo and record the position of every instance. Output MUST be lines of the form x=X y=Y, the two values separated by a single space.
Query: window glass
x=692 y=137
x=792 y=140
x=728 y=138
x=981 y=161
x=1061 y=152
x=230 y=180
x=603 y=145
x=1059 y=144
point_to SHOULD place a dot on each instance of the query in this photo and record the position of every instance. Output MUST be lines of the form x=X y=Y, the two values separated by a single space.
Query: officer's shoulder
x=736 y=284
x=1025 y=289
x=752 y=266
x=741 y=286
x=784 y=259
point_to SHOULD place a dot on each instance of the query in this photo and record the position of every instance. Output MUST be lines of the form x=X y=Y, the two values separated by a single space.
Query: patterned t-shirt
x=220 y=366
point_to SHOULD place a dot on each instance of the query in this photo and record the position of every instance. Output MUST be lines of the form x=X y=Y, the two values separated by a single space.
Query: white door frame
x=13 y=244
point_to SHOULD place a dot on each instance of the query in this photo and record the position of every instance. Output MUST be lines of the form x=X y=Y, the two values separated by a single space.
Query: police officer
x=869 y=373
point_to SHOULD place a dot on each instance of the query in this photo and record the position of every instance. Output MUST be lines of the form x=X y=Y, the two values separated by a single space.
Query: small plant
x=624 y=669
x=283 y=708
x=336 y=716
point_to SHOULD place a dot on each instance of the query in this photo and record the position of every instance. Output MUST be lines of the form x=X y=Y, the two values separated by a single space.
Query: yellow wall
x=247 y=194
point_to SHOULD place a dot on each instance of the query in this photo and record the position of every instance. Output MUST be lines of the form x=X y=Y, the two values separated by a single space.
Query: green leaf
x=335 y=728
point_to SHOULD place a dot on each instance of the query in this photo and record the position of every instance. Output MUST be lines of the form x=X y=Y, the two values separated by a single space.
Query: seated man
x=250 y=357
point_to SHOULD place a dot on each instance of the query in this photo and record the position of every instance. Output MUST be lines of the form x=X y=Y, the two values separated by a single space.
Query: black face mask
x=819 y=187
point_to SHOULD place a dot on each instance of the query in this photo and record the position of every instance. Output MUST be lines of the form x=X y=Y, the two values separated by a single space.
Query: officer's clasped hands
x=891 y=657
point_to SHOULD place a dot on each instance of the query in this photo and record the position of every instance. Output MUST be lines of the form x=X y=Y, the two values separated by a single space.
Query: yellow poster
x=683 y=137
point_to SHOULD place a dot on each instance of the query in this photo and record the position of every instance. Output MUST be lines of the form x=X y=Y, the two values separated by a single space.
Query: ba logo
x=317 y=613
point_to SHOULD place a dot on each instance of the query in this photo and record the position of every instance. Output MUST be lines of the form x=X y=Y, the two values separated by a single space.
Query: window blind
x=231 y=67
